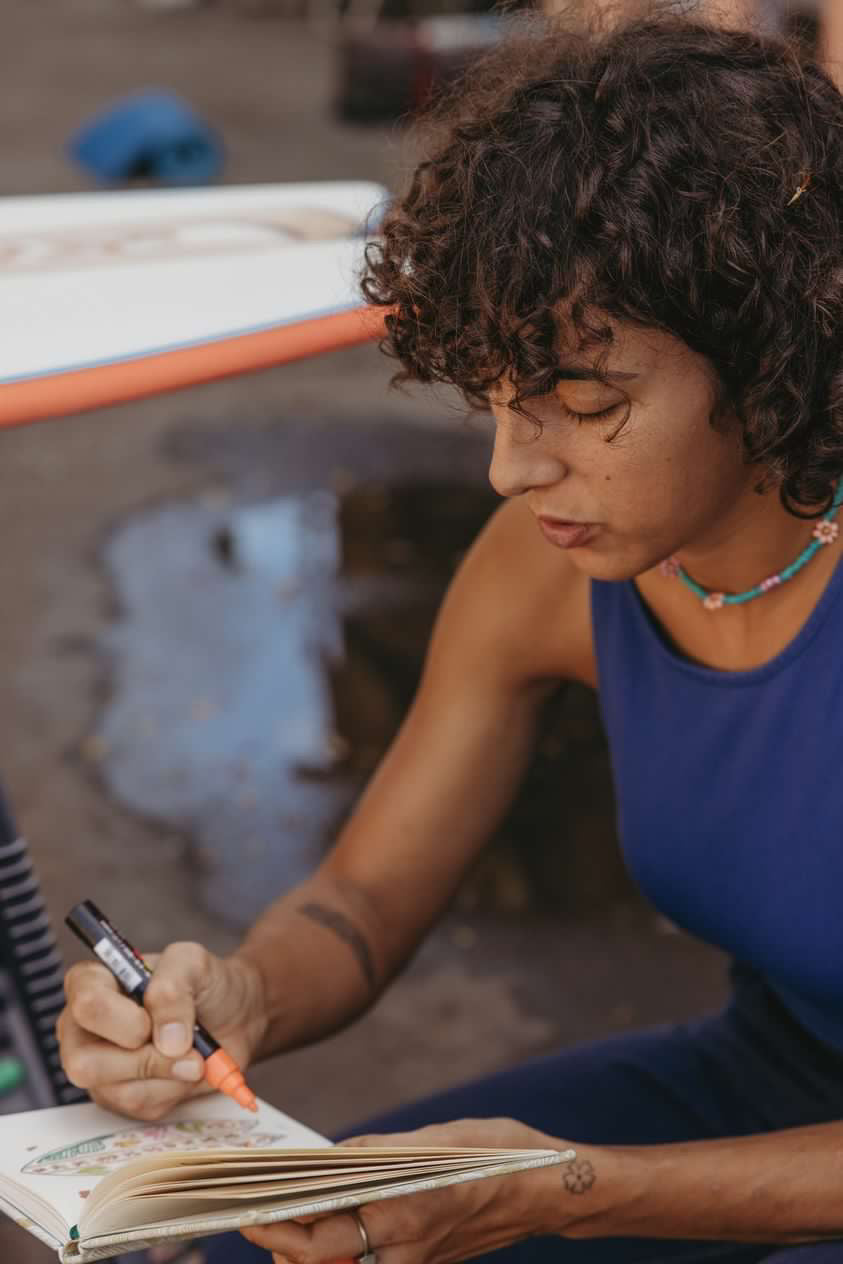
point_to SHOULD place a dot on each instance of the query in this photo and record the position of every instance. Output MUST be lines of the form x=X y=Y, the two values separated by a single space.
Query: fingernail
x=187 y=1069
x=172 y=1039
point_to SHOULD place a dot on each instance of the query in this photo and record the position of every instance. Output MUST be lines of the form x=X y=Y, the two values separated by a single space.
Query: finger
x=282 y=1259
x=91 y=1062
x=182 y=975
x=96 y=1004
x=330 y=1239
x=180 y=1253
x=430 y=1134
x=386 y=1139
x=149 y=1100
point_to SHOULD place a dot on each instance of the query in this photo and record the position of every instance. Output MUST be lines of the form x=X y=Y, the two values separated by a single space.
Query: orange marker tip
x=244 y=1097
x=223 y=1073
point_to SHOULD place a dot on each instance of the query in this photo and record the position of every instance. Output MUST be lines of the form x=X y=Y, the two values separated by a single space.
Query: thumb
x=181 y=976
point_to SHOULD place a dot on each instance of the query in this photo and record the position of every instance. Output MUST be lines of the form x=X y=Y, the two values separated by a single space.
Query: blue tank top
x=730 y=793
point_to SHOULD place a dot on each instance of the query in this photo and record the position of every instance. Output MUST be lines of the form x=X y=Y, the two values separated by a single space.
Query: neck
x=757 y=538
x=748 y=548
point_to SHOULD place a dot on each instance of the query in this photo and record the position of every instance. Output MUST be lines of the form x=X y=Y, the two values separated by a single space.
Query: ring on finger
x=367 y=1256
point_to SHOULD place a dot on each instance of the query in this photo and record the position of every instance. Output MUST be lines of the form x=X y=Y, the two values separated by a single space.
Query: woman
x=628 y=246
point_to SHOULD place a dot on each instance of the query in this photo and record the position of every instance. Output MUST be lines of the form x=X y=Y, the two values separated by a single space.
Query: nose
x=521 y=459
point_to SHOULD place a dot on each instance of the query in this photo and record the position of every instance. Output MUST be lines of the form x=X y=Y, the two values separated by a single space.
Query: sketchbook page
x=277 y=1164
x=61 y=1154
x=153 y=1206
x=208 y=1129
x=45 y=1158
x=263 y=1171
x=176 y=1173
x=197 y=1178
x=149 y=1197
x=108 y=1246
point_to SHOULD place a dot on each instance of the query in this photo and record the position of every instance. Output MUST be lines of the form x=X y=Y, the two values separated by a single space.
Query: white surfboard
x=106 y=297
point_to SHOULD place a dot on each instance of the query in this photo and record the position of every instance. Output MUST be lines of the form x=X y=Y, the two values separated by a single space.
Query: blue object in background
x=151 y=135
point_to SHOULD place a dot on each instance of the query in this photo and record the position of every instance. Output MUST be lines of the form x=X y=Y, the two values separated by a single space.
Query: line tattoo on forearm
x=578 y=1176
x=333 y=920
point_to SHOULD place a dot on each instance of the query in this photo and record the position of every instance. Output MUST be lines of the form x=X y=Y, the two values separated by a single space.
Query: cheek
x=680 y=467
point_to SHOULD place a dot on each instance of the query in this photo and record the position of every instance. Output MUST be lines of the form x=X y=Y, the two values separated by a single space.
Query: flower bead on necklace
x=825 y=532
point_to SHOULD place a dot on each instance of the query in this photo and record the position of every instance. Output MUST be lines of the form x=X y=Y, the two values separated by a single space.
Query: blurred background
x=217 y=600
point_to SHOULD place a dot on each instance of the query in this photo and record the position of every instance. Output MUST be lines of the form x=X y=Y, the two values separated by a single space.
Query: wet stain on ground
x=271 y=636
x=220 y=690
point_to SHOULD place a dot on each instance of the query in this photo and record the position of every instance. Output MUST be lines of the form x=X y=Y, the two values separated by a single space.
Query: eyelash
x=604 y=412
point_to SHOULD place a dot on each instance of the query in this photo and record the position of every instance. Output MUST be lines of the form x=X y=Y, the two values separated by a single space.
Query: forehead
x=636 y=359
x=633 y=353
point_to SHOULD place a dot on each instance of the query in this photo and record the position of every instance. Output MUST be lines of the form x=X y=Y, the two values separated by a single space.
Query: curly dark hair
x=645 y=173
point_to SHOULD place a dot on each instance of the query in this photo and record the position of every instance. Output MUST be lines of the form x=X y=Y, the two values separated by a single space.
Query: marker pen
x=133 y=974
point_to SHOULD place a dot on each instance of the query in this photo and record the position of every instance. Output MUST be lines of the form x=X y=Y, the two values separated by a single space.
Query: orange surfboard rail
x=50 y=396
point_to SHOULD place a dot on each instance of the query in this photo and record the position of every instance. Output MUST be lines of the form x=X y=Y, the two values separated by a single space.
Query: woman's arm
x=515 y=620
x=327 y=949
x=777 y=1187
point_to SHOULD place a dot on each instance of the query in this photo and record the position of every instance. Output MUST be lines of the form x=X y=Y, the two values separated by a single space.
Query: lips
x=567 y=535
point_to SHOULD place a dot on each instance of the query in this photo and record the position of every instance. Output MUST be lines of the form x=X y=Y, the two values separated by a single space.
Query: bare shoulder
x=518 y=606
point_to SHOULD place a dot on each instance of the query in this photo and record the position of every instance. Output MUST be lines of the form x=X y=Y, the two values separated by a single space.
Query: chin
x=610 y=569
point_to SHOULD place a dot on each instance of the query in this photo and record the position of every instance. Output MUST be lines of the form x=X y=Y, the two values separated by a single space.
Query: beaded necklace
x=825 y=532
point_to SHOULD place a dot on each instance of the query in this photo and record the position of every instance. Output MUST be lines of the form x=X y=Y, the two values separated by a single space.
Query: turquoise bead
x=804 y=557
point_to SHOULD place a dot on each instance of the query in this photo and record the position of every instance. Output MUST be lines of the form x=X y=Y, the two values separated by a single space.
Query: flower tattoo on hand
x=578 y=1176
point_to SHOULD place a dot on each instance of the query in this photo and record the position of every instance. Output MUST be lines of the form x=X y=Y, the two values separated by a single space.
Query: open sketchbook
x=93 y=1185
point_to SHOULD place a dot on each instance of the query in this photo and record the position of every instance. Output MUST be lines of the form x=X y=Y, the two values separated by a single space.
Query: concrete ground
x=486 y=990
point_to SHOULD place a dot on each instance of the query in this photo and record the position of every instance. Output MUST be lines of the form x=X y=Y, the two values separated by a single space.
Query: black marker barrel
x=127 y=966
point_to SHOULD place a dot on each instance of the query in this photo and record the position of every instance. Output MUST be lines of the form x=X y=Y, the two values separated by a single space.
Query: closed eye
x=604 y=412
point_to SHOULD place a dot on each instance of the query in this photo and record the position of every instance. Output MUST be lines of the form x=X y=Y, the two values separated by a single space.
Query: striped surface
x=28 y=951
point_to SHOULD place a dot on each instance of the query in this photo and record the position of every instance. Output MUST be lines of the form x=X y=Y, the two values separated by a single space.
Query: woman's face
x=668 y=481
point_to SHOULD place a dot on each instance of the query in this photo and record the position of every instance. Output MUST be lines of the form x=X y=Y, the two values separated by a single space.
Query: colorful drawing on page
x=99 y=1155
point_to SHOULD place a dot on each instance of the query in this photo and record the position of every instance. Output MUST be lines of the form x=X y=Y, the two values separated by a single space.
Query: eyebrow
x=576 y=373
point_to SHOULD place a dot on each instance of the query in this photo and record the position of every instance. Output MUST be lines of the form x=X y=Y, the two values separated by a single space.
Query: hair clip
x=803 y=188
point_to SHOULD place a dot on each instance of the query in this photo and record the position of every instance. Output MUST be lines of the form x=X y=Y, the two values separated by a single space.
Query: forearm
x=321 y=961
x=326 y=950
x=780 y=1187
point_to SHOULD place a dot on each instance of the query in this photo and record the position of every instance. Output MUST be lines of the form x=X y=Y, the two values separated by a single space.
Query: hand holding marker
x=133 y=974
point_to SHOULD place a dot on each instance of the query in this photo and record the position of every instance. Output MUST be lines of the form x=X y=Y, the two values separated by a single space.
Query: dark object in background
x=31 y=965
x=12 y=1069
x=392 y=68
x=557 y=847
x=151 y=136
